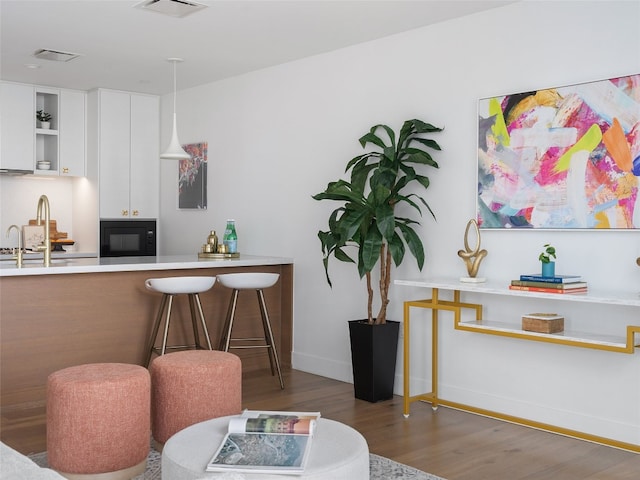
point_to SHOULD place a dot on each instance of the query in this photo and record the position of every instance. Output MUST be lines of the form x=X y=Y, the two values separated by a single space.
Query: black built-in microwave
x=127 y=238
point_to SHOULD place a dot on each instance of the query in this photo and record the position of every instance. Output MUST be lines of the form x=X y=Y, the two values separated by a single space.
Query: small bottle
x=212 y=240
x=230 y=238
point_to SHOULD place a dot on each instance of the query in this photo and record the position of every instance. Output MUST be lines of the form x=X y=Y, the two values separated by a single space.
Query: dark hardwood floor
x=452 y=444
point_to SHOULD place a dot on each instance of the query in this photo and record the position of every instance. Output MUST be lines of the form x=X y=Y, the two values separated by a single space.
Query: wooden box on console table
x=543 y=322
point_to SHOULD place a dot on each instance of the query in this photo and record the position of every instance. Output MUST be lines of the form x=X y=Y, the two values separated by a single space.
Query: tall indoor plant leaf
x=366 y=218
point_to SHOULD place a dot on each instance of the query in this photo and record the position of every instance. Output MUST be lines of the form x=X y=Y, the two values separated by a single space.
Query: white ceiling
x=127 y=48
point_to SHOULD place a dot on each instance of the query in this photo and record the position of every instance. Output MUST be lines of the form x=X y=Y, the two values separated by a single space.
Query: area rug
x=381 y=468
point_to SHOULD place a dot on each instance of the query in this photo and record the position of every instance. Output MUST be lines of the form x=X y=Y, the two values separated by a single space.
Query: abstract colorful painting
x=561 y=158
x=192 y=177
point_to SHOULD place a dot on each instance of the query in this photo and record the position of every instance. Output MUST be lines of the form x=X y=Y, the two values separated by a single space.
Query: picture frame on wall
x=192 y=177
x=561 y=158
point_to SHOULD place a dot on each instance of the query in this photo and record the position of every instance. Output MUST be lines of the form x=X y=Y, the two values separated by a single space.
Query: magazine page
x=301 y=423
x=266 y=442
x=262 y=453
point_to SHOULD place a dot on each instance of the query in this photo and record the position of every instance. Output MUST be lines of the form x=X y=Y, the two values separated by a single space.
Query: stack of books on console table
x=555 y=284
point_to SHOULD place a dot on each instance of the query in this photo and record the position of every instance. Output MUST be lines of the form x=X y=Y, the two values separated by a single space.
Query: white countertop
x=130 y=264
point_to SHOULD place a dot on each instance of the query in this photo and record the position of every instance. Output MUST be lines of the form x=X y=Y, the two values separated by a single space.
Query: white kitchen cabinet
x=72 y=129
x=128 y=137
x=17 y=122
x=145 y=156
x=113 y=153
x=24 y=142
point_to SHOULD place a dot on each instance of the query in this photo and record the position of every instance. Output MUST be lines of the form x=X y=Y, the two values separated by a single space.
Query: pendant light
x=175 y=151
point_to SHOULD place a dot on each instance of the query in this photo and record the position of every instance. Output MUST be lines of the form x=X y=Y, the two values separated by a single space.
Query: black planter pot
x=373 y=356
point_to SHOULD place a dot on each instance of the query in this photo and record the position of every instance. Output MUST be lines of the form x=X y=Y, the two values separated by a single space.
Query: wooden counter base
x=50 y=322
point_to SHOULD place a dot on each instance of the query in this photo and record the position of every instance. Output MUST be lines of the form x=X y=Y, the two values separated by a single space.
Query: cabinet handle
x=65 y=170
x=135 y=213
x=125 y=213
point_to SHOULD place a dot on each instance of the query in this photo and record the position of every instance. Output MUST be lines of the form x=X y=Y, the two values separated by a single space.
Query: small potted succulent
x=548 y=265
x=44 y=118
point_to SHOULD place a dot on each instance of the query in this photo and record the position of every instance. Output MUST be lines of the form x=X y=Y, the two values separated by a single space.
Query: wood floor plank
x=453 y=444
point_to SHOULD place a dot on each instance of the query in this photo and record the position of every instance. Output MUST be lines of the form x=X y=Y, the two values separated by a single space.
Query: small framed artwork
x=33 y=235
x=561 y=158
x=192 y=178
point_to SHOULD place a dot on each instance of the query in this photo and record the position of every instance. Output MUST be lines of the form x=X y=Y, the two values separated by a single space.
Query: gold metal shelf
x=620 y=344
x=611 y=343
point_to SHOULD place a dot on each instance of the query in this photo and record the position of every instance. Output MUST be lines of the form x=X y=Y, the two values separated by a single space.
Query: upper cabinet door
x=72 y=133
x=129 y=169
x=18 y=120
x=115 y=127
x=145 y=156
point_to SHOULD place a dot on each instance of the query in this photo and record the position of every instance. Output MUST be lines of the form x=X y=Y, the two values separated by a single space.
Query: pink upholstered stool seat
x=98 y=421
x=191 y=386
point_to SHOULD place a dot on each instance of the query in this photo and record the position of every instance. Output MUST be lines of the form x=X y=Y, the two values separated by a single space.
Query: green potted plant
x=366 y=231
x=548 y=265
x=44 y=118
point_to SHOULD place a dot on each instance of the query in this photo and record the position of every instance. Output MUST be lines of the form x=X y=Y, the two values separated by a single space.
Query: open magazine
x=266 y=442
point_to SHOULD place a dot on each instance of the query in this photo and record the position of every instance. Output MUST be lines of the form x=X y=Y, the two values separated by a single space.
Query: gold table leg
x=435 y=304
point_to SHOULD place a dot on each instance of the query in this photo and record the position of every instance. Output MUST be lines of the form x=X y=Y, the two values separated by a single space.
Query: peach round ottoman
x=98 y=421
x=190 y=386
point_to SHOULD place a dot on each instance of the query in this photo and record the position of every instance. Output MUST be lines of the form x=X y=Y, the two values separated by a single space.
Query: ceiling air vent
x=55 y=55
x=173 y=8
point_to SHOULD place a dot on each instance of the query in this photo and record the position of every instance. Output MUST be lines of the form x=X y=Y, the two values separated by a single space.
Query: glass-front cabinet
x=46 y=159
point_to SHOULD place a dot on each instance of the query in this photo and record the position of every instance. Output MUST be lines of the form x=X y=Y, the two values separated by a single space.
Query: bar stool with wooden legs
x=170 y=287
x=250 y=281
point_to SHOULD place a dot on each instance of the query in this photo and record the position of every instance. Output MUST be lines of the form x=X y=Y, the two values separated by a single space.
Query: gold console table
x=624 y=343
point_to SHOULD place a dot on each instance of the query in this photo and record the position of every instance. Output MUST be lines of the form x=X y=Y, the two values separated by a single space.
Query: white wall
x=277 y=136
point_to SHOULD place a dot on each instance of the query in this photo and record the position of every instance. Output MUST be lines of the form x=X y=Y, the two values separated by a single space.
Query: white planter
x=45 y=125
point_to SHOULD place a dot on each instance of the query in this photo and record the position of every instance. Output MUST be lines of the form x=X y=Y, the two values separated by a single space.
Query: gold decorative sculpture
x=472 y=258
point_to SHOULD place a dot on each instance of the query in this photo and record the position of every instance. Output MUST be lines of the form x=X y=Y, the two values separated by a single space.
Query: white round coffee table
x=338 y=452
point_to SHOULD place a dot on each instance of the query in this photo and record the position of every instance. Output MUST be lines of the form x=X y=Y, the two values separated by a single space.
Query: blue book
x=555 y=279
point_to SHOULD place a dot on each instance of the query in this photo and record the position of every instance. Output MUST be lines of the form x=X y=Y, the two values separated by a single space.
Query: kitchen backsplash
x=71 y=206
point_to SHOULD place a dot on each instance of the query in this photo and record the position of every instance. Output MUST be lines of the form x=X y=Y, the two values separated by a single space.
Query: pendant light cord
x=175 y=86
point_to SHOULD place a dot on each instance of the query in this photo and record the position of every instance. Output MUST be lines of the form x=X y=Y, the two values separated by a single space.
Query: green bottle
x=230 y=238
